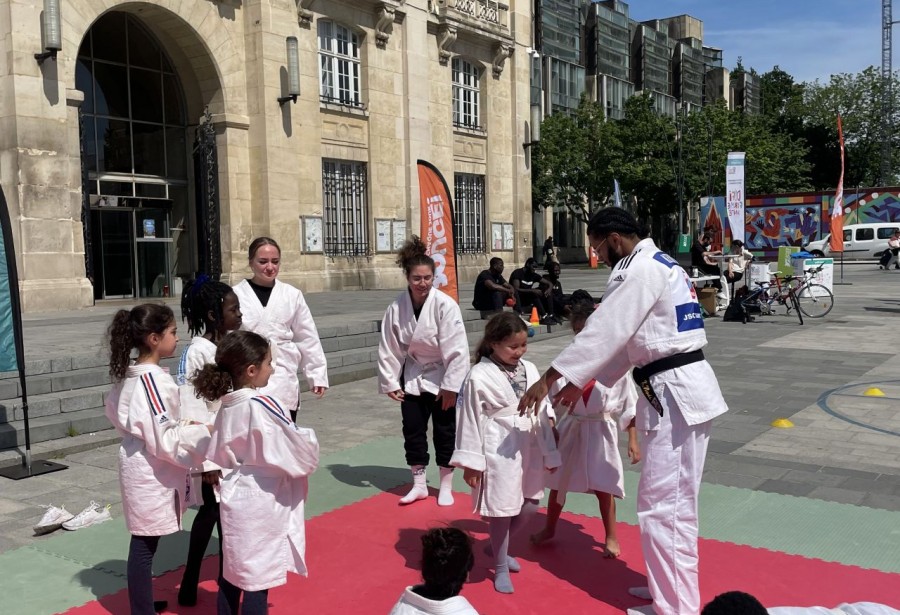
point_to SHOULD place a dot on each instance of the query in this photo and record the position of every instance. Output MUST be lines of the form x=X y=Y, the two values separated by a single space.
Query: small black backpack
x=736 y=312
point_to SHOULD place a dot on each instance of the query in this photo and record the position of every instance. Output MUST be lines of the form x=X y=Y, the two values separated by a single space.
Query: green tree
x=573 y=164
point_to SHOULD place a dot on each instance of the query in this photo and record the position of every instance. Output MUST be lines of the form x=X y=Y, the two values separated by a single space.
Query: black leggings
x=201 y=531
x=415 y=410
x=229 y=600
x=140 y=574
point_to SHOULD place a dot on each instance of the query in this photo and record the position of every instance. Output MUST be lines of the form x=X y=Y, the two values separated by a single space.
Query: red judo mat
x=362 y=556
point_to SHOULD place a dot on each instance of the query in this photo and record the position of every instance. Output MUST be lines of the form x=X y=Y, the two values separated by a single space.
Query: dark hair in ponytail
x=498 y=328
x=615 y=220
x=412 y=254
x=200 y=297
x=129 y=329
x=236 y=352
x=446 y=561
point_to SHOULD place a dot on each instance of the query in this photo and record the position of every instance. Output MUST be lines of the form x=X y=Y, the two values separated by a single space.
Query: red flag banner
x=437 y=227
x=836 y=243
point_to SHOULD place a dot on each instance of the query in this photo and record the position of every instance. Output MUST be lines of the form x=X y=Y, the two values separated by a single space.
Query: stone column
x=41 y=174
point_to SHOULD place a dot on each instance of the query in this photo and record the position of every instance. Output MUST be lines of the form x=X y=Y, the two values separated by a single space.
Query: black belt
x=642 y=375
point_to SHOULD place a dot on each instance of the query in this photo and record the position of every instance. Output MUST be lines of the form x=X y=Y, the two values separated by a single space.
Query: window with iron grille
x=345 y=206
x=466 y=94
x=339 y=65
x=468 y=213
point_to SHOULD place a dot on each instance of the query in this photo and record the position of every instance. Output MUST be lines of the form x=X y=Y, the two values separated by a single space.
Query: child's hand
x=396 y=395
x=472 y=477
x=634 y=451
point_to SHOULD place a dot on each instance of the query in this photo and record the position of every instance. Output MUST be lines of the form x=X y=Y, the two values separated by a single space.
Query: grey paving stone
x=729 y=479
x=881 y=500
x=837 y=494
x=786 y=487
x=814 y=478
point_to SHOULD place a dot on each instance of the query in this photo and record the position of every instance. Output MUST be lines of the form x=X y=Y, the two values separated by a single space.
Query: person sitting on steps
x=492 y=291
x=533 y=291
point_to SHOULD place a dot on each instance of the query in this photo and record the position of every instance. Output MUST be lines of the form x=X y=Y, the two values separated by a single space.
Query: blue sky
x=810 y=39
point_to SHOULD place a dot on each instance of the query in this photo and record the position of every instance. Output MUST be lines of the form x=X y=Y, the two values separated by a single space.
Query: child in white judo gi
x=504 y=455
x=423 y=358
x=211 y=310
x=447 y=560
x=157 y=450
x=262 y=500
x=588 y=443
x=277 y=311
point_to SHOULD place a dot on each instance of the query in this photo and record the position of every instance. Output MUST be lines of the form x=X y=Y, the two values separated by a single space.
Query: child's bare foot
x=612 y=549
x=542 y=537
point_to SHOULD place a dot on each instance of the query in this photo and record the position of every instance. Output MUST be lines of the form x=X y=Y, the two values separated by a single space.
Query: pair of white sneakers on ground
x=58 y=517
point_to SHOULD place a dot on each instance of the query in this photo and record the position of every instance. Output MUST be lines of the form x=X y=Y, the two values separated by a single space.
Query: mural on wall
x=772 y=221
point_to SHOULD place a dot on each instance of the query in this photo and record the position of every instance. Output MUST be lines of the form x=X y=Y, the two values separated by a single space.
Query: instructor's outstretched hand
x=534 y=396
x=568 y=397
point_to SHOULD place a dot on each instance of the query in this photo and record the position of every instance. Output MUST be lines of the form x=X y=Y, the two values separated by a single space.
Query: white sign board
x=824 y=277
x=734 y=194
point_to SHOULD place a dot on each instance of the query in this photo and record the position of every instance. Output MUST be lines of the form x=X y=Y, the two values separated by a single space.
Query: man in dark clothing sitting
x=533 y=291
x=559 y=302
x=491 y=289
x=699 y=253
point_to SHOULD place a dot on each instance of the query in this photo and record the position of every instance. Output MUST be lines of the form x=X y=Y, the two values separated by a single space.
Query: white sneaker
x=52 y=519
x=92 y=515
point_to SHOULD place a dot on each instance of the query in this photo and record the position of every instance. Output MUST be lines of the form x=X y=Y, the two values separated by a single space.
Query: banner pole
x=26 y=469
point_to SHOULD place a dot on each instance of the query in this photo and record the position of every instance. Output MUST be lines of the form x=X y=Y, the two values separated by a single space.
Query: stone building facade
x=154 y=145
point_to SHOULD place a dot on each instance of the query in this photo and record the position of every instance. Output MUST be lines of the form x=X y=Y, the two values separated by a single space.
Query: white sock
x=419 y=489
x=640 y=592
x=641 y=610
x=445 y=495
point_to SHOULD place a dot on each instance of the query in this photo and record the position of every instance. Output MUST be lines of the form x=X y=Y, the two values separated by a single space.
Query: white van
x=861 y=241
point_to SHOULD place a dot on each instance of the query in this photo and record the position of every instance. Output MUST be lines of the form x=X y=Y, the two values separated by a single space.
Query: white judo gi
x=288 y=325
x=650 y=312
x=156 y=451
x=512 y=451
x=411 y=603
x=429 y=353
x=262 y=500
x=589 y=436
x=192 y=408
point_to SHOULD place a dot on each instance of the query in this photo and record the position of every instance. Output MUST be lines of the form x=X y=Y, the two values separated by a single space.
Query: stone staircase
x=65 y=394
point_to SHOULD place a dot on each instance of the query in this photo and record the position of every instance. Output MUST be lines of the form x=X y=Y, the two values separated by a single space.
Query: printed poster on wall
x=734 y=194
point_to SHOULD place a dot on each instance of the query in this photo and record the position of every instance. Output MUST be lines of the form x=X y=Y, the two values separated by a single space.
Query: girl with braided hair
x=211 y=310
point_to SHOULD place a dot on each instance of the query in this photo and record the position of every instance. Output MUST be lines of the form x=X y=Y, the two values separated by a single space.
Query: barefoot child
x=504 y=454
x=446 y=562
x=588 y=442
x=210 y=308
x=262 y=501
x=156 y=450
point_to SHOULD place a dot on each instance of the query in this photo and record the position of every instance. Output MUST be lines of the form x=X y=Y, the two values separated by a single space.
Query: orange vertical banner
x=436 y=228
x=836 y=242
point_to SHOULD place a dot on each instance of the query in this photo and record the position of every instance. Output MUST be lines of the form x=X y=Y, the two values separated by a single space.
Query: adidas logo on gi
x=619 y=278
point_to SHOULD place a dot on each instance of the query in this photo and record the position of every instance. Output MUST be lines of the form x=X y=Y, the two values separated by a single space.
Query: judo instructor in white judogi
x=423 y=359
x=277 y=311
x=649 y=319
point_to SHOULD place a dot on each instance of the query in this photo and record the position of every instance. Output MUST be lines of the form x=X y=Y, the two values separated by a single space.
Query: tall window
x=338 y=64
x=345 y=207
x=468 y=214
x=466 y=94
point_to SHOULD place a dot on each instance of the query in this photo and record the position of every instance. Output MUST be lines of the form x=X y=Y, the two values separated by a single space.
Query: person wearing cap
x=649 y=320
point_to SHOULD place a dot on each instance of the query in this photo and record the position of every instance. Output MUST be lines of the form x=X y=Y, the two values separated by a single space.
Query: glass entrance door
x=154 y=251
x=116 y=254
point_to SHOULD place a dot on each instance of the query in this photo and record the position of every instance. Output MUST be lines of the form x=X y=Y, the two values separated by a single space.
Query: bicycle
x=813 y=299
x=801 y=293
x=762 y=299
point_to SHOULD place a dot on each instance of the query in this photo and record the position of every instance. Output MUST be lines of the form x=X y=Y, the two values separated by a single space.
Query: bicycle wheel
x=794 y=301
x=815 y=300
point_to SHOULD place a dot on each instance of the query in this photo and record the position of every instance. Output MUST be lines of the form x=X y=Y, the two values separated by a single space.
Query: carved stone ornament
x=384 y=24
x=445 y=38
x=304 y=15
x=501 y=52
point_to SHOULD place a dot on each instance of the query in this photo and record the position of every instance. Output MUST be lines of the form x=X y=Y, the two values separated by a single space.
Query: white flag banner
x=734 y=194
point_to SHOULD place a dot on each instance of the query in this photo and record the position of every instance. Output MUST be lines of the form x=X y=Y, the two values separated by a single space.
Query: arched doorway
x=135 y=160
